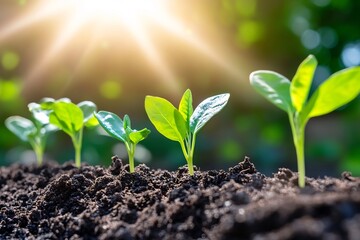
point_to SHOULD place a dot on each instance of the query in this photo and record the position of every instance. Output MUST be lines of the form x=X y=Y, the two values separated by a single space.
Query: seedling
x=71 y=119
x=35 y=132
x=121 y=130
x=183 y=124
x=339 y=89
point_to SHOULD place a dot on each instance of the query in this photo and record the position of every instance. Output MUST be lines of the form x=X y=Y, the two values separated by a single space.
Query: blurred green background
x=115 y=54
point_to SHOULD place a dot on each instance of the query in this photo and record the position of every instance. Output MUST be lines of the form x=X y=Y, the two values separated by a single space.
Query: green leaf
x=46 y=103
x=21 y=127
x=127 y=122
x=137 y=136
x=88 y=108
x=39 y=114
x=162 y=114
x=67 y=116
x=92 y=122
x=112 y=124
x=274 y=87
x=301 y=83
x=206 y=110
x=339 y=89
x=186 y=107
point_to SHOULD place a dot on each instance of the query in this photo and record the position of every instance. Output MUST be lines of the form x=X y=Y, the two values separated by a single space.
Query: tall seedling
x=72 y=118
x=292 y=97
x=183 y=124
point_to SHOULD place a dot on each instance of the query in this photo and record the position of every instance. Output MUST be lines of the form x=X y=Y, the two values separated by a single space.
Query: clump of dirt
x=63 y=202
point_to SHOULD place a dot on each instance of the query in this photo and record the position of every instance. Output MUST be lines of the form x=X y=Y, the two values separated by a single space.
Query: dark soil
x=63 y=202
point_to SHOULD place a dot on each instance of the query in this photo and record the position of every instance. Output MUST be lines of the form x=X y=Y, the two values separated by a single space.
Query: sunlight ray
x=167 y=77
x=60 y=42
x=175 y=27
x=40 y=12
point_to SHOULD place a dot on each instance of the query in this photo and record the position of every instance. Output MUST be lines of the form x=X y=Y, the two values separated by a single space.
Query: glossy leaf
x=301 y=83
x=274 y=87
x=88 y=108
x=186 y=107
x=67 y=116
x=112 y=124
x=21 y=127
x=339 y=89
x=206 y=110
x=137 y=136
x=39 y=114
x=163 y=114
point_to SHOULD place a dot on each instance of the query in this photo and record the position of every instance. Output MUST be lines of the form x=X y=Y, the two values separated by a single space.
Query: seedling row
x=183 y=123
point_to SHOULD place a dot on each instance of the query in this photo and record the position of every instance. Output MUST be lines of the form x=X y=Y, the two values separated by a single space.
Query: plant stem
x=39 y=155
x=77 y=142
x=191 y=155
x=131 y=152
x=298 y=131
x=39 y=151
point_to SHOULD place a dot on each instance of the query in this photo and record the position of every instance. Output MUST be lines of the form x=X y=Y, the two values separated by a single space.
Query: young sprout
x=183 y=124
x=121 y=130
x=339 y=89
x=35 y=132
x=71 y=119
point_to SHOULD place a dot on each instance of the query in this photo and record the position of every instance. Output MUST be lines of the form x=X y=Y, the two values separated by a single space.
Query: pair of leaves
x=70 y=117
x=28 y=130
x=339 y=89
x=120 y=129
x=177 y=124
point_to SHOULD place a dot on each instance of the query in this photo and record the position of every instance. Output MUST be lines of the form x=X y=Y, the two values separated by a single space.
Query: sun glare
x=103 y=17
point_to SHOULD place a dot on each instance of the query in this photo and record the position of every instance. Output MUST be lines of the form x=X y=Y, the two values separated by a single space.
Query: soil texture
x=63 y=202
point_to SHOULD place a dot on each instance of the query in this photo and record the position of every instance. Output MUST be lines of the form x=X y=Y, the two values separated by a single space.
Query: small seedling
x=35 y=132
x=71 y=119
x=121 y=130
x=183 y=124
x=339 y=89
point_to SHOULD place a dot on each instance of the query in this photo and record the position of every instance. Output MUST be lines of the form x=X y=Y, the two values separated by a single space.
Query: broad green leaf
x=206 y=110
x=67 y=116
x=162 y=115
x=274 y=87
x=186 y=107
x=88 y=108
x=21 y=127
x=137 y=136
x=301 y=83
x=339 y=89
x=112 y=124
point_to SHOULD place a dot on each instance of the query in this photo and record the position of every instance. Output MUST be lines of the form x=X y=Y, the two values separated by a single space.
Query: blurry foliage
x=265 y=34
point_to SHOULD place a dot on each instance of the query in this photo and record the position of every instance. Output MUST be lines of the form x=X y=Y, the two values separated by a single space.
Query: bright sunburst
x=104 y=17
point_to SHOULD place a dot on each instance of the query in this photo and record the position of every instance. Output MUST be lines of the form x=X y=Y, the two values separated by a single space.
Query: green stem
x=39 y=155
x=131 y=152
x=39 y=151
x=191 y=155
x=298 y=131
x=77 y=142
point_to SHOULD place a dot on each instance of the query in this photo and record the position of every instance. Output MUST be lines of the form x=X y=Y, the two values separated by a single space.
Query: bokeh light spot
x=10 y=60
x=249 y=32
x=110 y=89
x=9 y=90
x=310 y=39
x=350 y=56
x=230 y=150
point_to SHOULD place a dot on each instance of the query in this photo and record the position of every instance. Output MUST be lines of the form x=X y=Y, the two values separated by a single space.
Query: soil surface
x=63 y=202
